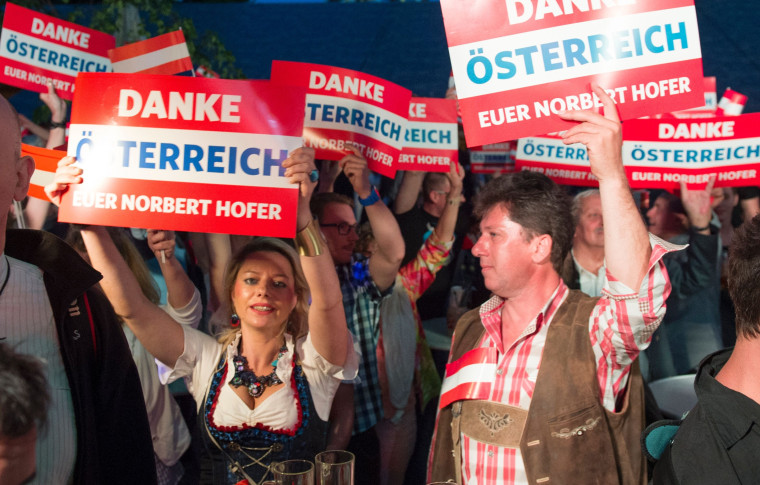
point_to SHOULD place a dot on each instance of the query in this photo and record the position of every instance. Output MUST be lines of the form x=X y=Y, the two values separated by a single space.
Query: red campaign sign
x=431 y=141
x=35 y=48
x=517 y=63
x=344 y=105
x=706 y=111
x=496 y=158
x=565 y=164
x=660 y=153
x=183 y=153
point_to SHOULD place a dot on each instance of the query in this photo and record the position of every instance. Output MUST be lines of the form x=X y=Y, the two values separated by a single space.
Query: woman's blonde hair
x=297 y=323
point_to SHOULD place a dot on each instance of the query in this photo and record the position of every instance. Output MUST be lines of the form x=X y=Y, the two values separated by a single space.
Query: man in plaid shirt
x=542 y=384
x=364 y=283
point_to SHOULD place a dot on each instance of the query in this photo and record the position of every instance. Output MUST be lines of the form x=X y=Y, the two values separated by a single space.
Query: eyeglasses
x=344 y=228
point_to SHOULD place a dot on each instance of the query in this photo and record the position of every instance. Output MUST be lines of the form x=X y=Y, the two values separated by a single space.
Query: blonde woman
x=265 y=388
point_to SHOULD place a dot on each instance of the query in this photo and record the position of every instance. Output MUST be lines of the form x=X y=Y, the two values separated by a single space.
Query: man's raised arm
x=385 y=262
x=626 y=240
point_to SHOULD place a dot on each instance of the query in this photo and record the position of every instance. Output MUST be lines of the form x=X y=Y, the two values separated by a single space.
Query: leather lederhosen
x=567 y=436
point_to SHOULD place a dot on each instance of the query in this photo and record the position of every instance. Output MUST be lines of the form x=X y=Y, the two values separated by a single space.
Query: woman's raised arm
x=327 y=320
x=157 y=331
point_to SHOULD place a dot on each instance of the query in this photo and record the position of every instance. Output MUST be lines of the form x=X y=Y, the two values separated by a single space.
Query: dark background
x=405 y=42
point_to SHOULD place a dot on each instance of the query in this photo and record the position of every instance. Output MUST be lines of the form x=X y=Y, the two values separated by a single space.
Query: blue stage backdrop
x=405 y=42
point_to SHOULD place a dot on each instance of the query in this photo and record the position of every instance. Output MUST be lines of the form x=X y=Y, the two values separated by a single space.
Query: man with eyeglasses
x=364 y=283
x=344 y=228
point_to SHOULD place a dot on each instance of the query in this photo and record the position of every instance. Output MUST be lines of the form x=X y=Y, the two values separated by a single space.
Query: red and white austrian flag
x=45 y=164
x=184 y=153
x=469 y=377
x=164 y=54
x=205 y=71
x=731 y=103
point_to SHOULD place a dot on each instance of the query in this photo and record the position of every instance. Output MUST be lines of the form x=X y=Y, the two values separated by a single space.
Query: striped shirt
x=620 y=326
x=26 y=323
x=361 y=302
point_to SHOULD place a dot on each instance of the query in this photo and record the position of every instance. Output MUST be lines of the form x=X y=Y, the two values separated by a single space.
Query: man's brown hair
x=319 y=202
x=536 y=203
x=744 y=278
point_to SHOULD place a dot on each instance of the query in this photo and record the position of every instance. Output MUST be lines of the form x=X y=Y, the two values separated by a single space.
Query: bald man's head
x=15 y=172
x=10 y=132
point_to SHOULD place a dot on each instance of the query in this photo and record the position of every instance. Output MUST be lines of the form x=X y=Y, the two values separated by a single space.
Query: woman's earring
x=234 y=320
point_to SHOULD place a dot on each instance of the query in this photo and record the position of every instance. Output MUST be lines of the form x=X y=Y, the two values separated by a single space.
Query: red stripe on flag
x=37 y=191
x=45 y=160
x=171 y=67
x=475 y=356
x=146 y=46
x=467 y=390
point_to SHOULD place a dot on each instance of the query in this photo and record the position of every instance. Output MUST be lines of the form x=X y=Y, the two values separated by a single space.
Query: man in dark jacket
x=97 y=425
x=691 y=327
x=719 y=439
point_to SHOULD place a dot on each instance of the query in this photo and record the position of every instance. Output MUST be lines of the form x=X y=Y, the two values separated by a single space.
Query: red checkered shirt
x=620 y=327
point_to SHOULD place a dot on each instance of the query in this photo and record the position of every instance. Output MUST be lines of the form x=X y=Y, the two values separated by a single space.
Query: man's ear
x=542 y=248
x=683 y=220
x=24 y=171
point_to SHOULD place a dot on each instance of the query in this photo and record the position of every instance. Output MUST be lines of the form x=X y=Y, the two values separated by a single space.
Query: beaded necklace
x=256 y=385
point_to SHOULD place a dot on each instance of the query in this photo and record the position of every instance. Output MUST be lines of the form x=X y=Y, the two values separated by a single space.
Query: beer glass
x=293 y=472
x=335 y=467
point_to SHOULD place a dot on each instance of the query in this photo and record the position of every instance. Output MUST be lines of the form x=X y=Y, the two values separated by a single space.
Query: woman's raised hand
x=66 y=174
x=298 y=169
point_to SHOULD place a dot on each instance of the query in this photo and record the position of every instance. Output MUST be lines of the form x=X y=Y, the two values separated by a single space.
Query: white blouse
x=199 y=361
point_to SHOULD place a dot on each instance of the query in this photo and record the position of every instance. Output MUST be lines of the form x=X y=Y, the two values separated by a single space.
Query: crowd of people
x=149 y=356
